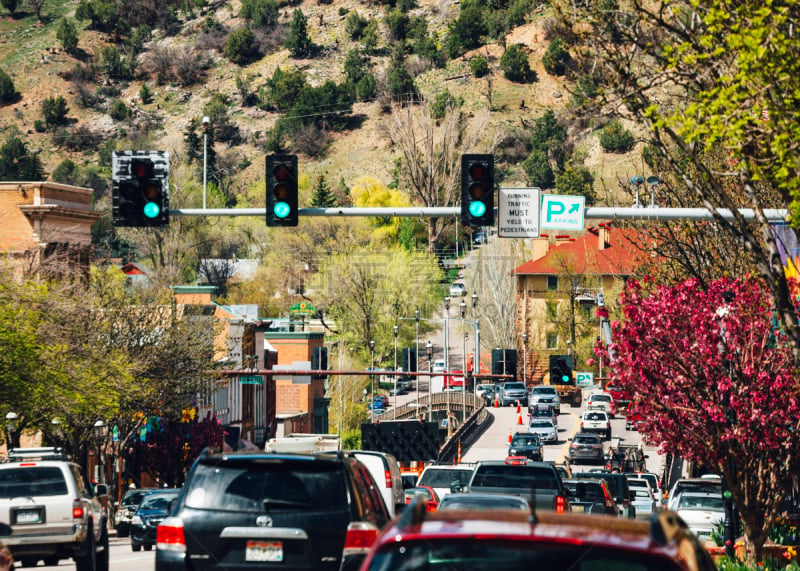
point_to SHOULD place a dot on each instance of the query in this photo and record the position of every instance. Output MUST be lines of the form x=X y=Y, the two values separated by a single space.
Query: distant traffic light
x=282 y=190
x=140 y=189
x=560 y=369
x=477 y=190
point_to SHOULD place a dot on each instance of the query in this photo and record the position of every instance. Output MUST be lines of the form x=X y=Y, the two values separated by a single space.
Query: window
x=552 y=283
x=552 y=311
x=552 y=341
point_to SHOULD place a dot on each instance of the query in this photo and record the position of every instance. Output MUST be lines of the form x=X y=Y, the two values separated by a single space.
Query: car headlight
x=137 y=520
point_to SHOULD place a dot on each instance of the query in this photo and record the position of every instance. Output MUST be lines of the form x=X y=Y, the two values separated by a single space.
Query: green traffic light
x=727 y=494
x=477 y=209
x=281 y=210
x=152 y=210
x=565 y=378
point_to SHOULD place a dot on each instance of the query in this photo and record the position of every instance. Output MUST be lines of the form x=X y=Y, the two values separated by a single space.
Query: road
x=121 y=558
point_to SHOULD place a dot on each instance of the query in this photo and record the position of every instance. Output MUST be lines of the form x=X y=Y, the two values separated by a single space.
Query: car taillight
x=360 y=537
x=596 y=446
x=77 y=509
x=169 y=535
x=388 y=475
x=561 y=504
x=581 y=424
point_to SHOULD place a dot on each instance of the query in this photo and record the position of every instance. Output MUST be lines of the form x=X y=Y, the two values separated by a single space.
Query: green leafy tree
x=366 y=88
x=442 y=102
x=398 y=23
x=145 y=94
x=356 y=65
x=576 y=181
x=119 y=110
x=67 y=34
x=282 y=90
x=479 y=66
x=298 y=42
x=193 y=141
x=515 y=65
x=66 y=172
x=8 y=93
x=322 y=197
x=55 y=110
x=10 y=5
x=556 y=59
x=114 y=64
x=371 y=37
x=614 y=138
x=538 y=169
x=240 y=47
x=550 y=137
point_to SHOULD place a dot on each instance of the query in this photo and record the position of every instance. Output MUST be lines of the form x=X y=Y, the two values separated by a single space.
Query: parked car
x=386 y=472
x=482 y=389
x=516 y=540
x=442 y=477
x=457 y=289
x=525 y=444
x=591 y=497
x=513 y=392
x=53 y=512
x=545 y=428
x=596 y=421
x=126 y=508
x=585 y=448
x=483 y=502
x=544 y=396
x=601 y=401
x=703 y=485
x=151 y=511
x=431 y=497
x=701 y=511
x=271 y=510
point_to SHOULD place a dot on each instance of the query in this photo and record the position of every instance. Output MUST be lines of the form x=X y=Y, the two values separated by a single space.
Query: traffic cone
x=459 y=451
x=496 y=403
x=518 y=407
x=519 y=419
x=509 y=436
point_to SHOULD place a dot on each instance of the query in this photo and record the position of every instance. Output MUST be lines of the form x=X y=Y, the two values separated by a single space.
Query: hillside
x=38 y=68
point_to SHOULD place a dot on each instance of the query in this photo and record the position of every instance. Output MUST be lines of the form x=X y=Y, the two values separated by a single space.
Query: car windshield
x=472 y=502
x=605 y=398
x=541 y=423
x=515 y=386
x=544 y=391
x=442 y=478
x=250 y=486
x=32 y=481
x=446 y=554
x=701 y=503
x=157 y=501
x=133 y=498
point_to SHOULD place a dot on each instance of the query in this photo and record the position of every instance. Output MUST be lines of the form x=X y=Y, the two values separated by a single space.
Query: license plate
x=577 y=508
x=264 y=551
x=28 y=517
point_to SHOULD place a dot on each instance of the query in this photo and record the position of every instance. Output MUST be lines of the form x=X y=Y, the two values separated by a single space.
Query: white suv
x=52 y=511
x=596 y=421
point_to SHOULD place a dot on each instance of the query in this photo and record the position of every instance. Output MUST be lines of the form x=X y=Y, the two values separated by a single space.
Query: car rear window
x=32 y=481
x=434 y=554
x=515 y=476
x=586 y=439
x=133 y=498
x=595 y=416
x=526 y=440
x=541 y=423
x=469 y=502
x=254 y=486
x=601 y=398
x=442 y=478
x=158 y=501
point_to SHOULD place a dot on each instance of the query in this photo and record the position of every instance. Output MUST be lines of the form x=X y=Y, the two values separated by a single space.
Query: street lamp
x=476 y=362
x=12 y=422
x=372 y=375
x=396 y=330
x=446 y=334
x=524 y=357
x=206 y=121
x=99 y=432
x=416 y=354
x=463 y=307
x=429 y=351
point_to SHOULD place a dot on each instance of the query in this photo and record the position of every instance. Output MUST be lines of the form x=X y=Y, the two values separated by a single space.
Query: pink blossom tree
x=716 y=386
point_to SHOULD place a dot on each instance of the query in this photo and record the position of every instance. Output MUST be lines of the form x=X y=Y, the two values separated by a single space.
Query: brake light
x=581 y=424
x=561 y=504
x=169 y=535
x=388 y=476
x=360 y=537
x=77 y=509
x=595 y=446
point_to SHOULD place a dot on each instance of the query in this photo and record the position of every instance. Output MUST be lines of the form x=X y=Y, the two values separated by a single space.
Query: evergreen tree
x=514 y=63
x=298 y=43
x=55 y=111
x=10 y=5
x=322 y=196
x=400 y=84
x=66 y=173
x=8 y=93
x=67 y=34
x=16 y=163
x=194 y=146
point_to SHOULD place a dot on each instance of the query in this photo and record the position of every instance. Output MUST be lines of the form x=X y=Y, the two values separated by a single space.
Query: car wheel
x=122 y=532
x=51 y=561
x=28 y=562
x=101 y=557
x=87 y=561
x=136 y=547
x=148 y=547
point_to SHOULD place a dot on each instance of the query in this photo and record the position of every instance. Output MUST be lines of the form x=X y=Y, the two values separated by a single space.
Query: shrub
x=240 y=47
x=614 y=138
x=67 y=34
x=298 y=42
x=55 y=111
x=39 y=126
x=355 y=25
x=366 y=88
x=515 y=65
x=556 y=58
x=119 y=111
x=398 y=24
x=261 y=12
x=8 y=93
x=311 y=140
x=10 y=5
x=145 y=94
x=538 y=169
x=356 y=65
x=441 y=103
x=479 y=66
x=576 y=181
x=113 y=63
x=66 y=173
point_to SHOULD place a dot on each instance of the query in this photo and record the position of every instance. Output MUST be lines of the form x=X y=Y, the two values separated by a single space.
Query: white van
x=386 y=472
x=438 y=366
x=441 y=477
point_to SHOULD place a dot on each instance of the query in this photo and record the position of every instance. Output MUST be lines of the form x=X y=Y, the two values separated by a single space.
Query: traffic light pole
x=592 y=213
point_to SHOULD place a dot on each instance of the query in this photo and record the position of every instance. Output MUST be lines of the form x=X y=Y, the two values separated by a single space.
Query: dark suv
x=243 y=510
x=618 y=485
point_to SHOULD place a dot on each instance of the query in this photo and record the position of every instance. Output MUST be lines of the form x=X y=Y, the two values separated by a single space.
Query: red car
x=633 y=419
x=431 y=497
x=516 y=540
x=620 y=395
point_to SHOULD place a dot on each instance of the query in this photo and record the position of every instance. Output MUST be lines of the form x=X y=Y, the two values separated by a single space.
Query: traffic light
x=140 y=189
x=477 y=190
x=282 y=190
x=560 y=369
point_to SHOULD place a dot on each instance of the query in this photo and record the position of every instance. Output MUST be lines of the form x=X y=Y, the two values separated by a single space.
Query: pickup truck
x=538 y=482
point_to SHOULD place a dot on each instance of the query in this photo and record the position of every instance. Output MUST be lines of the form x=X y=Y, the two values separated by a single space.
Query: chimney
x=561 y=238
x=540 y=246
x=602 y=236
